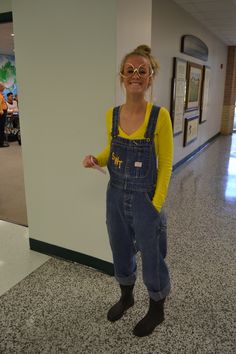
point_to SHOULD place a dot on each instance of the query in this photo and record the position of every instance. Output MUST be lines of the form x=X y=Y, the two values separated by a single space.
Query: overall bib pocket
x=130 y=161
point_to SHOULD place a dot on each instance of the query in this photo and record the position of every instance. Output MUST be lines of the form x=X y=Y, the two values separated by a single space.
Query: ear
x=121 y=78
x=150 y=81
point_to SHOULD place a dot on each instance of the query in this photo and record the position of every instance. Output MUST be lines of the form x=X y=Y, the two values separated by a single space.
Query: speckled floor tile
x=61 y=307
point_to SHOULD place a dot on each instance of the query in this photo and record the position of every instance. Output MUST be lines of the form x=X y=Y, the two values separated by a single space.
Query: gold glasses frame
x=136 y=70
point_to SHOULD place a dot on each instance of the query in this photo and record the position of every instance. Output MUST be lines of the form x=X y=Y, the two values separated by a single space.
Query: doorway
x=12 y=191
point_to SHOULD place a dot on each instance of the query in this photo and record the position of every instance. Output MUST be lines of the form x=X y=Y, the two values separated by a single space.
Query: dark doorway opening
x=12 y=191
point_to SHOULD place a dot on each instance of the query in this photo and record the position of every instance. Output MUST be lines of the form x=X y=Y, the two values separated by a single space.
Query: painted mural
x=8 y=73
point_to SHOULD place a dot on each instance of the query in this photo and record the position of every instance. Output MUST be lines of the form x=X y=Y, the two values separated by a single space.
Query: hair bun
x=143 y=48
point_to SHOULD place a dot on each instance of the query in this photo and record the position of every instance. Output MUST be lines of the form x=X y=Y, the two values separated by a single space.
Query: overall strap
x=152 y=122
x=115 y=122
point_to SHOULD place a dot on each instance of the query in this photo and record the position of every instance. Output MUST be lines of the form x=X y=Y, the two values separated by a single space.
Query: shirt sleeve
x=164 y=149
x=102 y=158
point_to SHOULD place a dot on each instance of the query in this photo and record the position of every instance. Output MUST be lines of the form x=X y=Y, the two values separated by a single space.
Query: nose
x=136 y=73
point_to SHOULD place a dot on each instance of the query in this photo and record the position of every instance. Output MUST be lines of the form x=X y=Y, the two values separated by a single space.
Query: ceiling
x=218 y=16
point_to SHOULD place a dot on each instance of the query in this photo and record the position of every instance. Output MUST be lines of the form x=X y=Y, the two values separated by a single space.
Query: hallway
x=61 y=306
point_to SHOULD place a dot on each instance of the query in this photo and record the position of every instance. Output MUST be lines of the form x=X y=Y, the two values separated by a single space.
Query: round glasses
x=143 y=71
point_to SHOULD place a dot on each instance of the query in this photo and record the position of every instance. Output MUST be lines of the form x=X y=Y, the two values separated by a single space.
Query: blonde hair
x=144 y=51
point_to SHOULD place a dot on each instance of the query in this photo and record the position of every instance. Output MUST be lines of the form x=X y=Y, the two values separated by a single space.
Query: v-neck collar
x=145 y=121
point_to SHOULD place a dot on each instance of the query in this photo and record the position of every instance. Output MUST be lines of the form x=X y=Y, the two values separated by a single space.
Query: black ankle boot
x=125 y=302
x=152 y=319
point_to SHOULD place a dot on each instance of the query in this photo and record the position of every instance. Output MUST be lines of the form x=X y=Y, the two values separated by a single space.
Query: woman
x=138 y=134
x=3 y=116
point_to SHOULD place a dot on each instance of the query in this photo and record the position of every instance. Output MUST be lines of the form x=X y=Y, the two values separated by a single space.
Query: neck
x=135 y=104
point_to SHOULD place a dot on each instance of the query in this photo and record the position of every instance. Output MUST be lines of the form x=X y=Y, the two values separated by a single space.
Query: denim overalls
x=133 y=222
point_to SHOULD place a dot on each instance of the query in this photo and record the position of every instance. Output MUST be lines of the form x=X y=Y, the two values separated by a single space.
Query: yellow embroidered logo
x=116 y=159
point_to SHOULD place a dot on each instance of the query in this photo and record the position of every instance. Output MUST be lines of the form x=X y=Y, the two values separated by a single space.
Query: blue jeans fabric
x=133 y=222
x=134 y=225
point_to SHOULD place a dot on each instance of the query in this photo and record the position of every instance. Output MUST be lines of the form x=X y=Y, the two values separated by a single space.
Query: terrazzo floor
x=61 y=307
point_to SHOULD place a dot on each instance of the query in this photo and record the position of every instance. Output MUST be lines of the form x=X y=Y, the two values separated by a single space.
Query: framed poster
x=178 y=95
x=190 y=129
x=205 y=93
x=194 y=86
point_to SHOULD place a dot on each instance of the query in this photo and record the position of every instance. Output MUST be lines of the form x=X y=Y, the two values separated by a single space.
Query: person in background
x=12 y=109
x=138 y=132
x=3 y=115
x=16 y=98
x=12 y=106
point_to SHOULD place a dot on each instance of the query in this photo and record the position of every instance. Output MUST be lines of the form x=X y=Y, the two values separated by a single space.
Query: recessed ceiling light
x=12 y=34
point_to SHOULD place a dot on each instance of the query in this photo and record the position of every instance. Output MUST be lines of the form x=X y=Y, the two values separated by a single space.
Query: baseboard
x=52 y=250
x=196 y=151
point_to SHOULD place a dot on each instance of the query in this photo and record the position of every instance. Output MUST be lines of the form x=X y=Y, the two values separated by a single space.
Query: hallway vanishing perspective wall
x=230 y=93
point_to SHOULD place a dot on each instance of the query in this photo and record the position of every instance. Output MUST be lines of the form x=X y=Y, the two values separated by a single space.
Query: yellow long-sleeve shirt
x=163 y=140
x=3 y=105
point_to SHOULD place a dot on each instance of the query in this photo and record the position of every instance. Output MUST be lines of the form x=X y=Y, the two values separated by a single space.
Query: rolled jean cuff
x=130 y=280
x=156 y=296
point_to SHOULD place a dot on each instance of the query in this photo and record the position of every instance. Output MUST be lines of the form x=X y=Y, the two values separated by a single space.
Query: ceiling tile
x=218 y=16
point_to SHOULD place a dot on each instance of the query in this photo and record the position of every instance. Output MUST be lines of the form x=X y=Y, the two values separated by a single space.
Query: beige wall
x=5 y=6
x=134 y=27
x=65 y=60
x=66 y=63
x=169 y=23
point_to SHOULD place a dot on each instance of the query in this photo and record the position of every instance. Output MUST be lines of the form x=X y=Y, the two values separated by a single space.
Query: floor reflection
x=230 y=191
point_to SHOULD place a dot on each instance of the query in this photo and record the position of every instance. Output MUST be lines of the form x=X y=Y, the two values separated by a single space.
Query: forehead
x=137 y=60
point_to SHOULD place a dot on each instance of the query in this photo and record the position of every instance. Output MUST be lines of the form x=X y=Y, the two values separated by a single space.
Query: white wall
x=169 y=23
x=134 y=26
x=5 y=6
x=65 y=61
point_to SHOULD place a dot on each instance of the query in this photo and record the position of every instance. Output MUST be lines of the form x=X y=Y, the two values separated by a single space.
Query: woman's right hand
x=89 y=161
